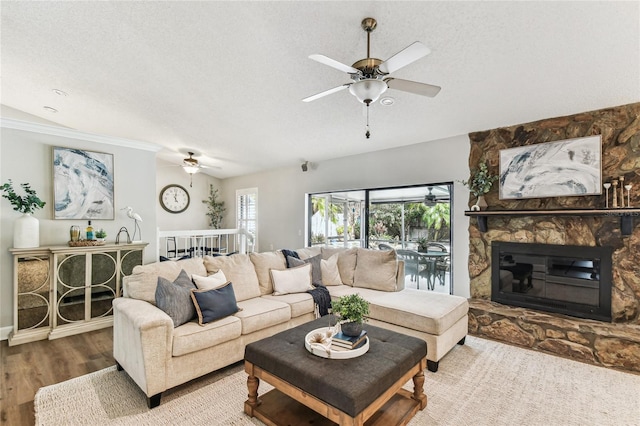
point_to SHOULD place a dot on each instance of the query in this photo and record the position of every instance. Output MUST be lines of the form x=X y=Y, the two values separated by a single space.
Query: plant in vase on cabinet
x=480 y=183
x=26 y=230
x=353 y=311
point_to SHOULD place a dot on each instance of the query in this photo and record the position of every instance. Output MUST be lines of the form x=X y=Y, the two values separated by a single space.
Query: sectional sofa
x=158 y=356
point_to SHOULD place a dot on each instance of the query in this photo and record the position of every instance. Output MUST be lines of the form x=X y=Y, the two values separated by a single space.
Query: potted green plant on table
x=480 y=183
x=26 y=231
x=353 y=311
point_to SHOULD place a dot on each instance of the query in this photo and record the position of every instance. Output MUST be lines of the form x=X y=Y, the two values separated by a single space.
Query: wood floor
x=26 y=368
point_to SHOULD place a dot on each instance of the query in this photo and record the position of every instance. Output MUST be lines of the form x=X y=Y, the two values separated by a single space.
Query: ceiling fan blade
x=326 y=92
x=413 y=87
x=334 y=64
x=406 y=56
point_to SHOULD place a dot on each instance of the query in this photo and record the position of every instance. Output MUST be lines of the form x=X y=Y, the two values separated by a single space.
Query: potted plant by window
x=26 y=230
x=480 y=183
x=352 y=310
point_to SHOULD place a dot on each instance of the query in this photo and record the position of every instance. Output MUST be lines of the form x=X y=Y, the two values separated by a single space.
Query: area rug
x=481 y=383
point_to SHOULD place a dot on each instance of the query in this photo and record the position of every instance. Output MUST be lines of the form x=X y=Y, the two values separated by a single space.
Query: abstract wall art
x=83 y=184
x=552 y=169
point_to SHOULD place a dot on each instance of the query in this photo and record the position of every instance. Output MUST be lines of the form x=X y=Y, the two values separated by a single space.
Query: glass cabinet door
x=33 y=304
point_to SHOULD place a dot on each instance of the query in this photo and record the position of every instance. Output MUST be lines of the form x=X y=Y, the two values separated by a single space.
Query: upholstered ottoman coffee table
x=314 y=390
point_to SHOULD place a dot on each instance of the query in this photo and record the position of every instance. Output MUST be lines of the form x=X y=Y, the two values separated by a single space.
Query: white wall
x=26 y=156
x=281 y=193
x=195 y=215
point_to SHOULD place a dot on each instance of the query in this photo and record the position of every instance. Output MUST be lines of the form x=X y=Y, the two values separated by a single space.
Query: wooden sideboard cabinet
x=60 y=290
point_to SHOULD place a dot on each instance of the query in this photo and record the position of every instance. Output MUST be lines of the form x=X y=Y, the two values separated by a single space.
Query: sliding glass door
x=415 y=218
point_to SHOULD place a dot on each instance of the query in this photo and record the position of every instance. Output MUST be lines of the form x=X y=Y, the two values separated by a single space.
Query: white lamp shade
x=191 y=169
x=368 y=90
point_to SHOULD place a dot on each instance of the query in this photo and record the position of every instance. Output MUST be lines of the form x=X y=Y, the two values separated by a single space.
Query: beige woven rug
x=480 y=383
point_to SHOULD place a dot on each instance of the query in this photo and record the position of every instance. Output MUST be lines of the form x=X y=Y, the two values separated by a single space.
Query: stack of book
x=341 y=342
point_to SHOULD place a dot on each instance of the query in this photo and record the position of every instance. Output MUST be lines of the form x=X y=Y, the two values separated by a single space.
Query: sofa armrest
x=400 y=276
x=142 y=342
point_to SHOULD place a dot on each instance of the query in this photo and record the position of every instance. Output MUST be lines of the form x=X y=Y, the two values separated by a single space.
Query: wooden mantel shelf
x=625 y=214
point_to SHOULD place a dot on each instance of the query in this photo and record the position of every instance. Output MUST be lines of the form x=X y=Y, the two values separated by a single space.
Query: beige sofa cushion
x=260 y=313
x=192 y=337
x=300 y=303
x=330 y=271
x=425 y=311
x=263 y=263
x=376 y=269
x=292 y=280
x=142 y=282
x=346 y=262
x=210 y=282
x=307 y=252
x=238 y=269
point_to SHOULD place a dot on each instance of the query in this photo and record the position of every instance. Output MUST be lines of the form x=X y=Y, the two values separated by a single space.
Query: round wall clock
x=174 y=198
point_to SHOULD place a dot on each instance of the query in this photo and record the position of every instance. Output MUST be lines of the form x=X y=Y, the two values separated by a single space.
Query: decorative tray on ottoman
x=325 y=350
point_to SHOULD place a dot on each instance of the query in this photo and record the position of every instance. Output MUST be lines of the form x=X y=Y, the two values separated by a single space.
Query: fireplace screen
x=572 y=280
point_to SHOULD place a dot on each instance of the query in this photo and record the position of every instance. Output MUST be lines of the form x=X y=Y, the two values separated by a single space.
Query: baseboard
x=4 y=332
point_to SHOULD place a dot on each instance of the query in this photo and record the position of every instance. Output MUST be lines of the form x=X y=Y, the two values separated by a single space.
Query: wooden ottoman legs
x=252 y=402
x=418 y=391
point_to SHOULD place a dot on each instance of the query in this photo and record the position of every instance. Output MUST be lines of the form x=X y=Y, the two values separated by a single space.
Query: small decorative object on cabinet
x=26 y=229
x=101 y=234
x=60 y=291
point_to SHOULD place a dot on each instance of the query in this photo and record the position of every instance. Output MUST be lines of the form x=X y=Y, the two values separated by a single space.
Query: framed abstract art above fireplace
x=83 y=184
x=564 y=168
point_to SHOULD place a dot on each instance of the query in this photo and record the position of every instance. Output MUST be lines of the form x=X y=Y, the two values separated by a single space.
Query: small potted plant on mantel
x=480 y=183
x=353 y=311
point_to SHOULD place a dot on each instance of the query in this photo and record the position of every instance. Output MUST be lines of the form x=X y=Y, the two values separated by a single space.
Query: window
x=247 y=212
x=416 y=218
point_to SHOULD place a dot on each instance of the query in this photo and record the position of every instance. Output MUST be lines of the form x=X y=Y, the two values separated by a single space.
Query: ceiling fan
x=371 y=75
x=192 y=165
x=431 y=199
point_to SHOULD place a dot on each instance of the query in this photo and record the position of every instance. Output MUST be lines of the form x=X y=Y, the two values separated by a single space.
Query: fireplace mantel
x=625 y=214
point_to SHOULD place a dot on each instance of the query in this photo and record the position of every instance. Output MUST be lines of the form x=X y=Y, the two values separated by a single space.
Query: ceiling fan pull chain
x=367 y=133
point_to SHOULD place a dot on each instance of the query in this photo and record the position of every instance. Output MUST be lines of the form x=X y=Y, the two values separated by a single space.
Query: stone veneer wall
x=615 y=344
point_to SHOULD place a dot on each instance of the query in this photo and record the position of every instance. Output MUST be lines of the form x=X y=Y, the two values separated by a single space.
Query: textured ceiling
x=226 y=78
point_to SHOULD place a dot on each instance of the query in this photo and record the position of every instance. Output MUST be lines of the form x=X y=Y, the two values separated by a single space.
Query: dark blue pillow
x=214 y=304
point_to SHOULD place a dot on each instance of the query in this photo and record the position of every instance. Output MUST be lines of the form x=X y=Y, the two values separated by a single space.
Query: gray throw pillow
x=174 y=298
x=316 y=270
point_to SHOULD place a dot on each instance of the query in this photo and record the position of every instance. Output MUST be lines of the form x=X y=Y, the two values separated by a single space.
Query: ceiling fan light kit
x=191 y=166
x=370 y=75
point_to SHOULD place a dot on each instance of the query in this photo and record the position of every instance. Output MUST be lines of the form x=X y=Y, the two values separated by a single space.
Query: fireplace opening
x=571 y=280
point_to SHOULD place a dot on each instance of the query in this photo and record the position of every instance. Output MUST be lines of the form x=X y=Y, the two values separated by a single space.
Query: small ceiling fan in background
x=191 y=165
x=371 y=75
x=432 y=199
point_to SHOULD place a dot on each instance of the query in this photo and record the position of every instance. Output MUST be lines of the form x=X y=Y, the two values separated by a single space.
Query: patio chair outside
x=411 y=264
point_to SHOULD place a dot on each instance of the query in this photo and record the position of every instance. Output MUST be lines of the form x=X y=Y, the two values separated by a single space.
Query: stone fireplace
x=570 y=280
x=610 y=338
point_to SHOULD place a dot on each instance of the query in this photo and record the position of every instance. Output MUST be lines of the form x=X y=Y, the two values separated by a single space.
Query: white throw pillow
x=292 y=280
x=330 y=271
x=210 y=282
